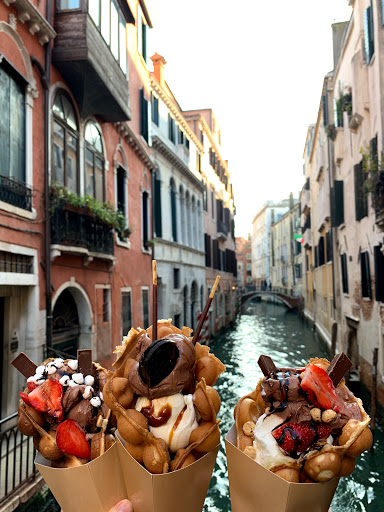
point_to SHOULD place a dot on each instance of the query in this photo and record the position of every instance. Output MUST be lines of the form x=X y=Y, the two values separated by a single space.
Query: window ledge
x=367 y=299
x=120 y=243
x=18 y=211
x=146 y=251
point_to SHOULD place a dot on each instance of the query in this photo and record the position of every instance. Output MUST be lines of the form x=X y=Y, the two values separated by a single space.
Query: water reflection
x=290 y=342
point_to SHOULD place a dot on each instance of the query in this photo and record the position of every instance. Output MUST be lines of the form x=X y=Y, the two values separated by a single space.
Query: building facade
x=218 y=215
x=244 y=262
x=178 y=207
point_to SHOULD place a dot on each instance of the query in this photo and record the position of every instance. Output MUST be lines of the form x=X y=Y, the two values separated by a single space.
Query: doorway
x=66 y=327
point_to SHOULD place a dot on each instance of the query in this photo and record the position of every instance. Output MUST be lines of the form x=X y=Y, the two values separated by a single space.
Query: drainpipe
x=45 y=75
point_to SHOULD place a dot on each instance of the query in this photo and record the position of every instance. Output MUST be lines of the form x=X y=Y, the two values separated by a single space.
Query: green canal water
x=281 y=334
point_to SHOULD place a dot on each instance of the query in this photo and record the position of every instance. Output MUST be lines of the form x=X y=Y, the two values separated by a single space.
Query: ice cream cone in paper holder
x=181 y=490
x=252 y=487
x=95 y=486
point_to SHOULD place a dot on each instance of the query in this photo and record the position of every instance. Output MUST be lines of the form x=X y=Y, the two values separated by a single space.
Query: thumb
x=122 y=506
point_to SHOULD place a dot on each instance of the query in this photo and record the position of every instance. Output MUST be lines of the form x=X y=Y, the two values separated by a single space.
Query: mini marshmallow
x=72 y=383
x=88 y=392
x=101 y=395
x=51 y=369
x=40 y=370
x=58 y=362
x=64 y=381
x=95 y=401
x=89 y=380
x=39 y=380
x=78 y=378
x=73 y=364
x=33 y=378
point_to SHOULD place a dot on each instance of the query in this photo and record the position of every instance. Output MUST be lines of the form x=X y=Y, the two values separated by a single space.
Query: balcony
x=15 y=193
x=76 y=231
x=306 y=201
x=307 y=238
x=222 y=230
x=86 y=62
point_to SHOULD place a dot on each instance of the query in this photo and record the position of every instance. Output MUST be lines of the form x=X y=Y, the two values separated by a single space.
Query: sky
x=260 y=66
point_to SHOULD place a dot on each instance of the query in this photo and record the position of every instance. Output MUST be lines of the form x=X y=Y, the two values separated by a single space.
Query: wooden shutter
x=365 y=276
x=207 y=243
x=143 y=115
x=344 y=272
x=158 y=222
x=215 y=253
x=338 y=203
x=361 y=202
x=379 y=273
x=329 y=249
x=321 y=251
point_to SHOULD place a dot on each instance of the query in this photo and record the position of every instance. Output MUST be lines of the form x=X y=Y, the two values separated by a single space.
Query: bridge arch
x=289 y=302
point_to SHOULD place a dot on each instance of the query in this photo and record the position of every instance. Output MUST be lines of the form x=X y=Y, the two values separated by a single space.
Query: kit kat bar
x=267 y=366
x=24 y=365
x=84 y=358
x=339 y=366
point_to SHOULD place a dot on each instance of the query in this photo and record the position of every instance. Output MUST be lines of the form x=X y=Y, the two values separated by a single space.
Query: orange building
x=75 y=179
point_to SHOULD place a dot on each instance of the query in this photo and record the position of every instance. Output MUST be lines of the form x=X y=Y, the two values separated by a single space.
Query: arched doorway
x=66 y=327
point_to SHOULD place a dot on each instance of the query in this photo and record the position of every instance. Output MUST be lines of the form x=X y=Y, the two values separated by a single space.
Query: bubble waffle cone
x=271 y=429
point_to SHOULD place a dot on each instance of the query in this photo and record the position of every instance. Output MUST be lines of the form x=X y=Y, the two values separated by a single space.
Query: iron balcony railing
x=222 y=227
x=75 y=227
x=17 y=455
x=15 y=193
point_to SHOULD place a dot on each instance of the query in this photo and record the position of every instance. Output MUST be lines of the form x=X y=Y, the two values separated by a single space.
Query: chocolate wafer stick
x=339 y=366
x=154 y=306
x=205 y=312
x=24 y=365
x=267 y=366
x=84 y=358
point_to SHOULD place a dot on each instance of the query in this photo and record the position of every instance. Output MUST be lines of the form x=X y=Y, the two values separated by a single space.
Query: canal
x=281 y=334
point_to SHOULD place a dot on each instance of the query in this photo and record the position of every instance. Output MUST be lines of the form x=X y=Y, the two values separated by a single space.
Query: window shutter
x=328 y=239
x=379 y=273
x=368 y=34
x=207 y=243
x=338 y=203
x=173 y=212
x=325 y=109
x=158 y=222
x=321 y=251
x=143 y=115
x=361 y=202
x=215 y=251
x=365 y=275
x=344 y=272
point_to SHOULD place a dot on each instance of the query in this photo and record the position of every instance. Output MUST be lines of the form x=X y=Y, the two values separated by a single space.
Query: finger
x=122 y=506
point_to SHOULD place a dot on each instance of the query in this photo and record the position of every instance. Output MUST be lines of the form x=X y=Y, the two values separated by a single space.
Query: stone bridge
x=289 y=301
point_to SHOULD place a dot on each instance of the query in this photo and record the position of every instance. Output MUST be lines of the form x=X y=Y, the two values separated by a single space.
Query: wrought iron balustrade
x=17 y=455
x=15 y=193
x=78 y=228
x=222 y=227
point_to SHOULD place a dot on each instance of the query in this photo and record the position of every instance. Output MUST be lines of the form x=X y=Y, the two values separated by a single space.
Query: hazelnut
x=248 y=428
x=250 y=451
x=328 y=415
x=316 y=414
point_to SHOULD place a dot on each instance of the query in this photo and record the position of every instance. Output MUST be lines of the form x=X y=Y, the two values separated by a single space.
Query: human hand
x=122 y=506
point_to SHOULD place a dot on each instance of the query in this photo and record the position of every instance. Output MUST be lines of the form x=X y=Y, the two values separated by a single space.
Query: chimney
x=158 y=67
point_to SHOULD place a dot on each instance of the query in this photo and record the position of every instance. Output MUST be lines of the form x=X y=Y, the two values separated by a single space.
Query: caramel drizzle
x=159 y=420
x=176 y=424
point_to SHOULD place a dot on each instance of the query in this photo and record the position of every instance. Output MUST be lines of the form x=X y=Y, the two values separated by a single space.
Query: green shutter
x=361 y=203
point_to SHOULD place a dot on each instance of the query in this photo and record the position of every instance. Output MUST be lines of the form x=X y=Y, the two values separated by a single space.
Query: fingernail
x=123 y=506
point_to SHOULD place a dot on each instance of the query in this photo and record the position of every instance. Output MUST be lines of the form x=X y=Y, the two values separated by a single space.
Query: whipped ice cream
x=268 y=452
x=171 y=418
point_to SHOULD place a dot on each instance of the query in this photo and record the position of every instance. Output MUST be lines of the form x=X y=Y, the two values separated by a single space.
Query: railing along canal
x=17 y=455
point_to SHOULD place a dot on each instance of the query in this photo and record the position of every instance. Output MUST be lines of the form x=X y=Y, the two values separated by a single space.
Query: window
x=65 y=143
x=145 y=214
x=213 y=204
x=176 y=278
x=365 y=276
x=176 y=321
x=157 y=205
x=361 y=201
x=328 y=241
x=198 y=162
x=121 y=191
x=155 y=109
x=171 y=129
x=173 y=211
x=12 y=123
x=321 y=251
x=338 y=203
x=344 y=272
x=63 y=5
x=111 y=24
x=368 y=34
x=94 y=162
x=106 y=307
x=144 y=126
x=126 y=312
x=145 y=300
x=205 y=198
x=141 y=36
x=248 y=256
x=379 y=273
x=180 y=136
x=208 y=260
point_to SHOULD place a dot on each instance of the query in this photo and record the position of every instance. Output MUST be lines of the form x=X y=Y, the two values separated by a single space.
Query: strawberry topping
x=295 y=437
x=71 y=440
x=320 y=389
x=46 y=399
x=31 y=386
x=323 y=431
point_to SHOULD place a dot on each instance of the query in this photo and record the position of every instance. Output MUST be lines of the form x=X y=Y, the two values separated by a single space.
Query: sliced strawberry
x=31 y=386
x=46 y=399
x=320 y=389
x=283 y=436
x=71 y=440
x=323 y=431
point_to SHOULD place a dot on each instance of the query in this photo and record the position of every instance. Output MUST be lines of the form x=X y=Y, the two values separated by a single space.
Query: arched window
x=193 y=304
x=65 y=154
x=193 y=221
x=188 y=219
x=182 y=214
x=185 y=304
x=94 y=162
x=173 y=211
